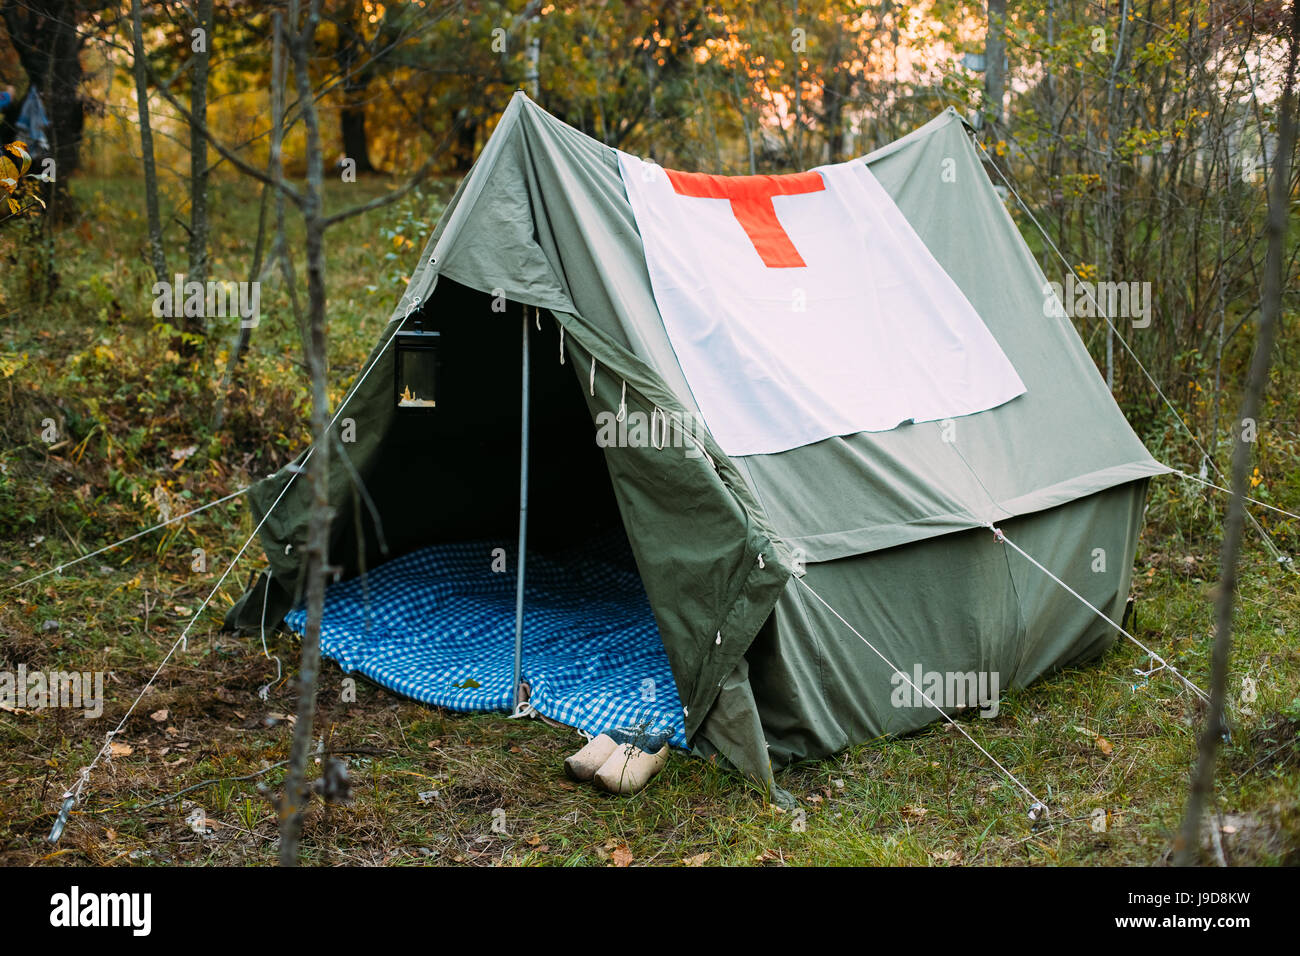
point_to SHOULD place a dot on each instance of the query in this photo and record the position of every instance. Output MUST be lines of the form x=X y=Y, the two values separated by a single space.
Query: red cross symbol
x=751 y=204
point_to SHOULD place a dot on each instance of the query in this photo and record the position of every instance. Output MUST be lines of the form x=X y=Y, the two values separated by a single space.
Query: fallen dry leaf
x=159 y=715
x=621 y=856
x=698 y=860
x=1105 y=746
x=116 y=749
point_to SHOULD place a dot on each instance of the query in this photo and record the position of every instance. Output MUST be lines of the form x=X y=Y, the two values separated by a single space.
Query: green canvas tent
x=742 y=557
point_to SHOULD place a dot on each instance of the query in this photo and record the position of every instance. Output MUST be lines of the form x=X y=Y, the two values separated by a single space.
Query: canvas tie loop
x=591 y=379
x=265 y=692
x=108 y=746
x=622 y=405
x=1145 y=676
x=658 y=438
x=537 y=316
x=561 y=345
x=411 y=306
x=760 y=560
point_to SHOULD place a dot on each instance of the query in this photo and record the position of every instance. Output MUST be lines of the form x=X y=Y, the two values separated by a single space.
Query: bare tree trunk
x=995 y=55
x=276 y=172
x=199 y=148
x=836 y=91
x=317 y=550
x=300 y=42
x=747 y=125
x=1202 y=787
x=157 y=258
x=798 y=100
x=245 y=334
x=1111 y=197
x=279 y=90
x=352 y=116
x=352 y=128
x=1220 y=267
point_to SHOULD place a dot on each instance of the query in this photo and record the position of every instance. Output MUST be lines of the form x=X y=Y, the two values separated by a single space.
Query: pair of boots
x=619 y=761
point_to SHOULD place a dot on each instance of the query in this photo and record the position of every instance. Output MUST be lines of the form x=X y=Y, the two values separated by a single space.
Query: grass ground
x=1109 y=751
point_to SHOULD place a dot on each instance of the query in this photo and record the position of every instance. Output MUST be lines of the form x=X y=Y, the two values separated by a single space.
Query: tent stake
x=523 y=519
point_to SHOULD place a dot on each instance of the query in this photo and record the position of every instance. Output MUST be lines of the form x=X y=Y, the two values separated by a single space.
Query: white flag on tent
x=805 y=306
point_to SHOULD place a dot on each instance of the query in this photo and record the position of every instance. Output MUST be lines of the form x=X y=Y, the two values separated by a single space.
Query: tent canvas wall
x=888 y=527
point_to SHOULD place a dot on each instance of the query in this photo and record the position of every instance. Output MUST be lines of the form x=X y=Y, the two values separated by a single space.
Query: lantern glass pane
x=418 y=370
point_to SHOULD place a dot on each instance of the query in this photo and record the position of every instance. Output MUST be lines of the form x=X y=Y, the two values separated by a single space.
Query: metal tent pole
x=523 y=518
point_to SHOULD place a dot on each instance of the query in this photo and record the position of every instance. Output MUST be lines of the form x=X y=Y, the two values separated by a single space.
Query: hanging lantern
x=416 y=379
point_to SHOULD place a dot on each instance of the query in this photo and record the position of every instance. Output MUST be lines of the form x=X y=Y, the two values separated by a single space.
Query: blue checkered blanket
x=438 y=625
